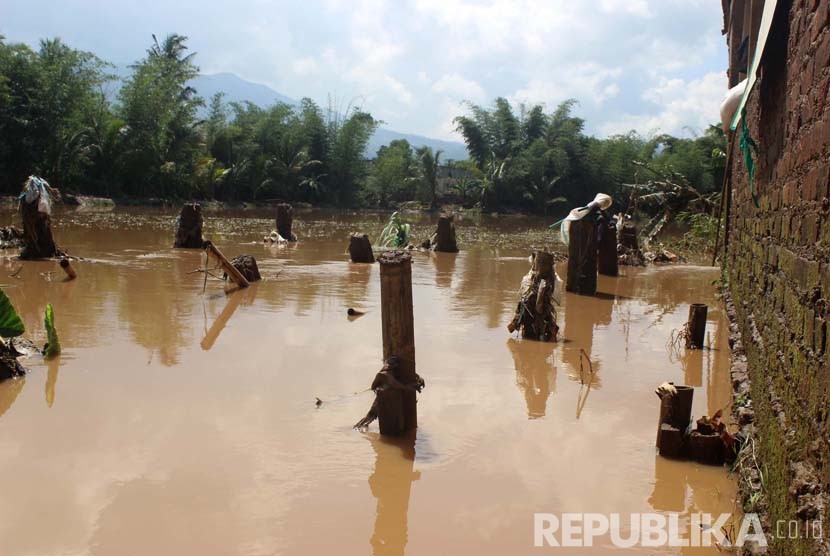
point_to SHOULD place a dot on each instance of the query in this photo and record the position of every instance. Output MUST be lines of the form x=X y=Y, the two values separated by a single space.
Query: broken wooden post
x=67 y=268
x=397 y=408
x=696 y=326
x=35 y=210
x=444 y=239
x=360 y=249
x=582 y=257
x=189 y=232
x=535 y=316
x=246 y=265
x=285 y=219
x=607 y=263
x=226 y=265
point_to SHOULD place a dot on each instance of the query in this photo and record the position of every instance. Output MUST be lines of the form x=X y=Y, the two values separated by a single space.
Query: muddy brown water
x=180 y=423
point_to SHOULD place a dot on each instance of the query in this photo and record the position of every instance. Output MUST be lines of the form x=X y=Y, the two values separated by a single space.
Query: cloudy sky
x=649 y=65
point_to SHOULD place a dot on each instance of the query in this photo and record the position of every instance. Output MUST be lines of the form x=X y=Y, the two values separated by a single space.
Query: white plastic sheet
x=601 y=201
x=35 y=190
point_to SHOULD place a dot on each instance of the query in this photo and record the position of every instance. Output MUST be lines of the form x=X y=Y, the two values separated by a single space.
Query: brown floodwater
x=182 y=423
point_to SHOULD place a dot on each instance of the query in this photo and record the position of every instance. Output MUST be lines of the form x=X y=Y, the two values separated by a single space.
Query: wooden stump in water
x=675 y=412
x=444 y=241
x=535 y=316
x=706 y=448
x=696 y=326
x=397 y=407
x=285 y=220
x=628 y=236
x=670 y=441
x=38 y=242
x=360 y=249
x=582 y=257
x=607 y=260
x=679 y=413
x=189 y=233
x=246 y=265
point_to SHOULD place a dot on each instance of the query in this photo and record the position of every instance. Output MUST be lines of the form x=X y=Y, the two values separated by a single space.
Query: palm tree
x=428 y=172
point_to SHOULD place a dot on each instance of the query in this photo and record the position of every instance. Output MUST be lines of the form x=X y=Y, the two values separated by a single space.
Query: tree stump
x=285 y=219
x=38 y=242
x=696 y=326
x=360 y=249
x=189 y=233
x=397 y=408
x=444 y=239
x=582 y=257
x=535 y=316
x=607 y=263
x=246 y=265
x=628 y=236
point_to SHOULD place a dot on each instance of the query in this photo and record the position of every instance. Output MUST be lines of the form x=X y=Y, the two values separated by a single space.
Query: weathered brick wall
x=778 y=264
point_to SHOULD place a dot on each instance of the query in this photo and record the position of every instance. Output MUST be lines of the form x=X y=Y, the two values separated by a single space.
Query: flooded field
x=177 y=423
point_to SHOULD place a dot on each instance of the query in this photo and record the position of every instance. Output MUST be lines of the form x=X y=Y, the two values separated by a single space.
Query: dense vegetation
x=158 y=138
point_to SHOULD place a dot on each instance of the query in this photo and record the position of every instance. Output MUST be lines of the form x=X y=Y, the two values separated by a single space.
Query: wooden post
x=229 y=269
x=360 y=249
x=582 y=257
x=444 y=241
x=696 y=326
x=608 y=262
x=397 y=408
x=70 y=272
x=189 y=234
x=675 y=411
x=285 y=220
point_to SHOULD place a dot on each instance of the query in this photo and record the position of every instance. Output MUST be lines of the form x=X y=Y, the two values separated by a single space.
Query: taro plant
x=396 y=233
x=53 y=345
x=11 y=325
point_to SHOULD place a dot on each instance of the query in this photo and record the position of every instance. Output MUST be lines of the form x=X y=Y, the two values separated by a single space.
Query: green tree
x=390 y=178
x=159 y=109
x=428 y=167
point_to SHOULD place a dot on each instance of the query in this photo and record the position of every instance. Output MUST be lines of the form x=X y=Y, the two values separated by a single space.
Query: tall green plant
x=396 y=233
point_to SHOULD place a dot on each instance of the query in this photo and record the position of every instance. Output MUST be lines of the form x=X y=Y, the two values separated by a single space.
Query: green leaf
x=53 y=347
x=10 y=323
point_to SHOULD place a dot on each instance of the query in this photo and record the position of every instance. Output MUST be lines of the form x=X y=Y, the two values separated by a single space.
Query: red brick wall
x=778 y=264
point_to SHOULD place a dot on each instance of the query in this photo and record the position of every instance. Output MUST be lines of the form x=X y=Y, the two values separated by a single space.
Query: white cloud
x=634 y=7
x=456 y=86
x=304 y=66
x=588 y=83
x=682 y=105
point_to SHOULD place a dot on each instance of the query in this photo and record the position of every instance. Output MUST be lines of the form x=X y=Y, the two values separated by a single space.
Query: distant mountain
x=237 y=89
